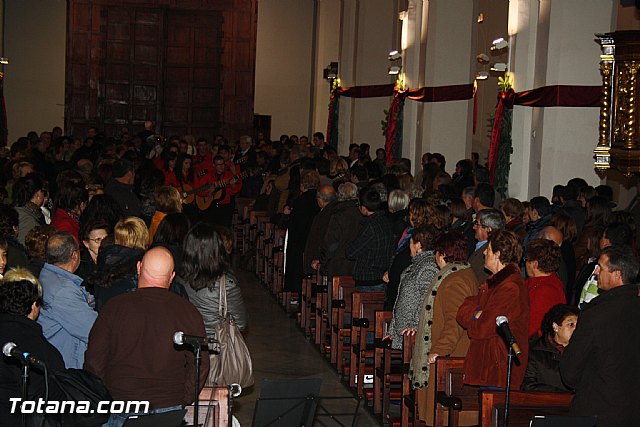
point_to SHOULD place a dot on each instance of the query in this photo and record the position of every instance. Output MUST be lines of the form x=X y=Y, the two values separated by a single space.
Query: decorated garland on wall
x=501 y=145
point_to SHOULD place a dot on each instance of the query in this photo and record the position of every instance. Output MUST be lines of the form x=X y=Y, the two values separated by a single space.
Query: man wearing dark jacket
x=343 y=228
x=600 y=362
x=131 y=343
x=326 y=198
x=373 y=248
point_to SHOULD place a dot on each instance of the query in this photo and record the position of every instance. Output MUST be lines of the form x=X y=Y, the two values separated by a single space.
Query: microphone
x=503 y=324
x=10 y=349
x=180 y=338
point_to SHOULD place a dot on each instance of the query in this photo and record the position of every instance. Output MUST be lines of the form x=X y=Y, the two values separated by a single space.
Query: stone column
x=552 y=42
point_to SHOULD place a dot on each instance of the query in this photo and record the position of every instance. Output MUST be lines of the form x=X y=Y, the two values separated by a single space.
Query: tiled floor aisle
x=280 y=351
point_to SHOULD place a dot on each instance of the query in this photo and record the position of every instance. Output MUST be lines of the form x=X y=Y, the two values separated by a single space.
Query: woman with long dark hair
x=169 y=169
x=205 y=264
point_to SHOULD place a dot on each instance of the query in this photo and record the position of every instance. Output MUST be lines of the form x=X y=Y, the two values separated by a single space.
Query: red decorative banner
x=373 y=91
x=392 y=125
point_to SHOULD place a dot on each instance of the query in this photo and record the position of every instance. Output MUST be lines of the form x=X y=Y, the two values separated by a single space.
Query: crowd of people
x=100 y=234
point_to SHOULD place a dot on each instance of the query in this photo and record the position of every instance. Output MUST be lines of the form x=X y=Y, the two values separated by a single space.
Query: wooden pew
x=307 y=302
x=523 y=406
x=364 y=306
x=322 y=309
x=451 y=394
x=408 y=404
x=214 y=407
x=341 y=289
x=383 y=320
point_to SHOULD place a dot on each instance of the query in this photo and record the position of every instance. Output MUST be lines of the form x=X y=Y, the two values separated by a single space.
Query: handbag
x=233 y=363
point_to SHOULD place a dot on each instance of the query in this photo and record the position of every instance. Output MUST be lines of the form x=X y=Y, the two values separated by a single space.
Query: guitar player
x=221 y=210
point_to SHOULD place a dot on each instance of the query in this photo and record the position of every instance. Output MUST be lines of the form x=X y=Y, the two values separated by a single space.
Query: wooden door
x=132 y=69
x=192 y=69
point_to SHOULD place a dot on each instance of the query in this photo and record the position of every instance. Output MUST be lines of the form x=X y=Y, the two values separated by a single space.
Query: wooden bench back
x=214 y=407
x=451 y=392
x=523 y=406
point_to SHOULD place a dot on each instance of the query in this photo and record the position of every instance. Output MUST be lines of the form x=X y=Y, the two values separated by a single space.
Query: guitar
x=216 y=190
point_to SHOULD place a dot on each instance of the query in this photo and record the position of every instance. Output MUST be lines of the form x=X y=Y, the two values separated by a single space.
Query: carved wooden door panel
x=132 y=68
x=192 y=70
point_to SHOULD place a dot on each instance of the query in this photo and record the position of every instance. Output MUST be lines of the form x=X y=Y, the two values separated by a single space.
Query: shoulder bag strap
x=222 y=300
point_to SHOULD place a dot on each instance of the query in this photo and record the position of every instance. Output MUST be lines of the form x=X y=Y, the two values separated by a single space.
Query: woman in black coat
x=543 y=369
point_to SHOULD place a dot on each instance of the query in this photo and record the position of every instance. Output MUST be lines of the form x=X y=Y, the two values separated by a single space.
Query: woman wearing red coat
x=545 y=287
x=503 y=294
x=70 y=202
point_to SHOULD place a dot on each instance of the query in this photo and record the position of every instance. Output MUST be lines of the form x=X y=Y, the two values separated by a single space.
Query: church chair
x=523 y=406
x=322 y=317
x=451 y=393
x=364 y=306
x=382 y=319
x=341 y=289
x=214 y=409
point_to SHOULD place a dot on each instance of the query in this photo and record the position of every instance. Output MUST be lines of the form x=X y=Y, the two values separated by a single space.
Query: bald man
x=131 y=343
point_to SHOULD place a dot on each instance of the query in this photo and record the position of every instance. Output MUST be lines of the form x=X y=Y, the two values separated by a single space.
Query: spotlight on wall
x=4 y=60
x=482 y=75
x=331 y=72
x=394 y=70
x=499 y=44
x=500 y=67
x=480 y=18
x=482 y=58
x=394 y=55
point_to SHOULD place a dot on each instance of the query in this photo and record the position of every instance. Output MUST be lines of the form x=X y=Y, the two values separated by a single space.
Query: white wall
x=283 y=64
x=34 y=42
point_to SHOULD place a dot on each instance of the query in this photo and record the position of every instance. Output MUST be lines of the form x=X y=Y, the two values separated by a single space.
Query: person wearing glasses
x=486 y=221
x=91 y=235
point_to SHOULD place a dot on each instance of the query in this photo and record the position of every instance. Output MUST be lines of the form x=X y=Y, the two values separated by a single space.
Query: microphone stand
x=196 y=403
x=508 y=389
x=24 y=377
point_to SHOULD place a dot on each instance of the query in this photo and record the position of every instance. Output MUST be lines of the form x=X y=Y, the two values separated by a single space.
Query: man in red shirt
x=224 y=185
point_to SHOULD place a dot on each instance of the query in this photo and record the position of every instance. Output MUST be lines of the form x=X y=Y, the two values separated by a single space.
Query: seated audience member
x=120 y=187
x=9 y=223
x=67 y=317
x=116 y=268
x=205 y=267
x=483 y=197
x=167 y=200
x=70 y=202
x=601 y=361
x=171 y=233
x=372 y=249
x=572 y=207
x=104 y=207
x=615 y=234
x=20 y=304
x=503 y=294
x=438 y=331
x=543 y=369
x=28 y=198
x=91 y=236
x=545 y=288
x=486 y=222
x=36 y=242
x=344 y=226
x=142 y=362
x=513 y=211
x=415 y=283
